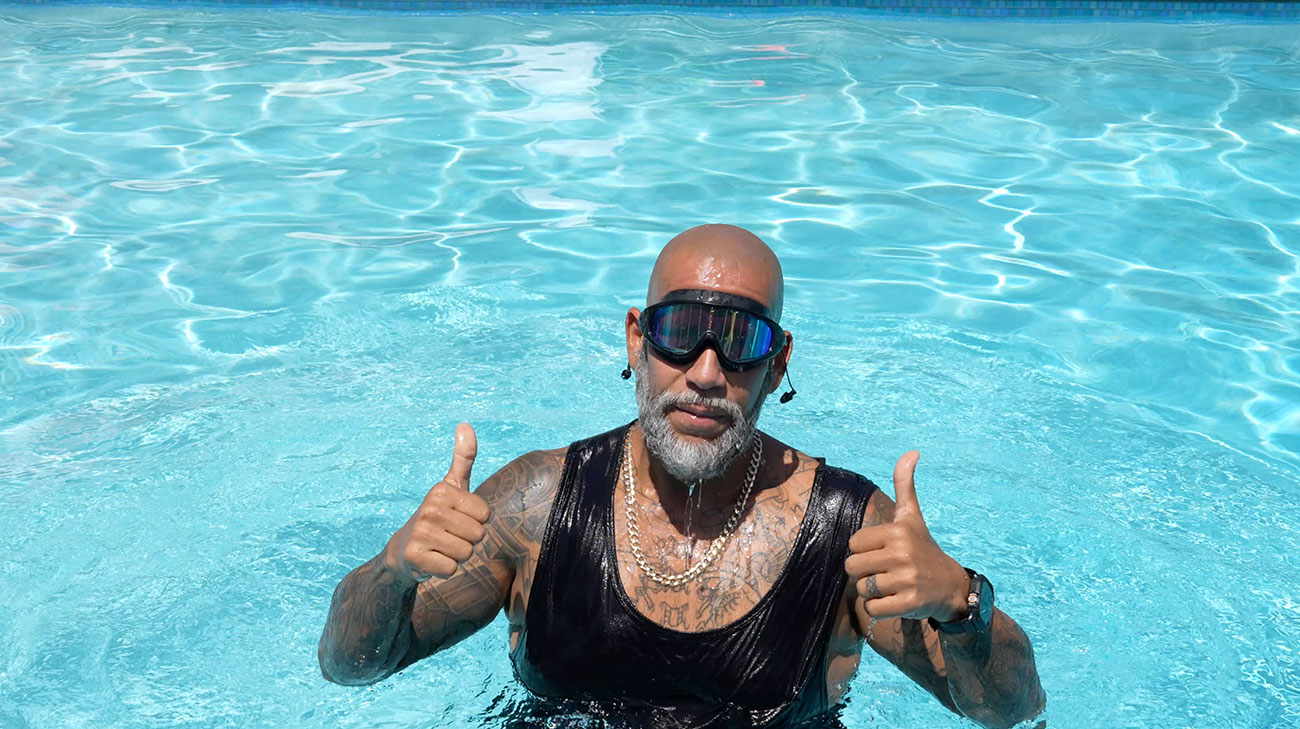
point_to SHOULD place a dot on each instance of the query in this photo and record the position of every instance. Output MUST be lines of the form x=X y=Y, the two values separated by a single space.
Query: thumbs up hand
x=896 y=566
x=442 y=533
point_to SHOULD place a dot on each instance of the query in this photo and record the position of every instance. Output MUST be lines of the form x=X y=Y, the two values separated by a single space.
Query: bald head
x=719 y=258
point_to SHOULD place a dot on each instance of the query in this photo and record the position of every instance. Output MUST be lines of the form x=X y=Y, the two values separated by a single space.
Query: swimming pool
x=255 y=265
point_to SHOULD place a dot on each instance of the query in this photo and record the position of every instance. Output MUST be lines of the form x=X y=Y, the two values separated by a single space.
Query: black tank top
x=583 y=640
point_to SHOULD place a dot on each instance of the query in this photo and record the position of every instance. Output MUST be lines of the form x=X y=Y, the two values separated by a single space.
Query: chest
x=741 y=565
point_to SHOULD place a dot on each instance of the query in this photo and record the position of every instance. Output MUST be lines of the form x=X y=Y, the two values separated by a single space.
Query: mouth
x=698 y=419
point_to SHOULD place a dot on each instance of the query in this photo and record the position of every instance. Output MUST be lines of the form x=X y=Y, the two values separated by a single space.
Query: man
x=687 y=569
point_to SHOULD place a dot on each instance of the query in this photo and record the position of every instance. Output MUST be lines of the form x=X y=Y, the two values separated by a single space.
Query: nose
x=705 y=374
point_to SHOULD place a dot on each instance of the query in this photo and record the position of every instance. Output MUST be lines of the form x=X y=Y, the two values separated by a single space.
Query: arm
x=988 y=677
x=381 y=621
x=389 y=613
x=991 y=676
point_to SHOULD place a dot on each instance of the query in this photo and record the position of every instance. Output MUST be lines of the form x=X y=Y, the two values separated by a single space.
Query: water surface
x=255 y=265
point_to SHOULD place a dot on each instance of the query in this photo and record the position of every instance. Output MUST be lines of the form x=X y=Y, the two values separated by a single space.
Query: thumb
x=904 y=488
x=462 y=457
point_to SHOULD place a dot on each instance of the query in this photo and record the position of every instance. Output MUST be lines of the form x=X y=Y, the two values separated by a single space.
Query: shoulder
x=851 y=490
x=521 y=494
x=848 y=480
x=520 y=497
x=841 y=489
x=874 y=505
x=533 y=478
x=525 y=481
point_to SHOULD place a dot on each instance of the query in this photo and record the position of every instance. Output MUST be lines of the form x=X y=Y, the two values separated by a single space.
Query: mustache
x=669 y=400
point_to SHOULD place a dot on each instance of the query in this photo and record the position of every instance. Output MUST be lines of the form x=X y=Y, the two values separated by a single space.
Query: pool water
x=255 y=265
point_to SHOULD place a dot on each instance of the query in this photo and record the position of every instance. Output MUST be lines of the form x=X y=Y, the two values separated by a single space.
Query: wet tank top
x=583 y=640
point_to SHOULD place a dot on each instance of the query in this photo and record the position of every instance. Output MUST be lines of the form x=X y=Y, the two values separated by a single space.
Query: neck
x=705 y=505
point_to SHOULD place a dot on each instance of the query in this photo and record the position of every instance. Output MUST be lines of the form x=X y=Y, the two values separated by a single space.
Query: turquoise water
x=255 y=265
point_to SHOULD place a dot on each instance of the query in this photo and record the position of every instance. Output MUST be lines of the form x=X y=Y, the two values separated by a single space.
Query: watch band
x=979 y=607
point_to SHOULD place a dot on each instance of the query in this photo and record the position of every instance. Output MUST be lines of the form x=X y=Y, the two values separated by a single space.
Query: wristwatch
x=979 y=608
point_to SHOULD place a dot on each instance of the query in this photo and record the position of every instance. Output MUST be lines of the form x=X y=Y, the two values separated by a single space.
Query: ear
x=780 y=362
x=632 y=333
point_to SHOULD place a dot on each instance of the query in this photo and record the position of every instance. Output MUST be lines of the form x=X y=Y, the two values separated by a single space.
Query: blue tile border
x=1067 y=10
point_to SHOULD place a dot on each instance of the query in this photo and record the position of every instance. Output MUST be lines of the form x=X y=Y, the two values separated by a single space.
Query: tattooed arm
x=988 y=677
x=382 y=620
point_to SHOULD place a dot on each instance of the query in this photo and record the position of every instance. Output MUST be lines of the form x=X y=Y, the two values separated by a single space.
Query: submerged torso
x=758 y=636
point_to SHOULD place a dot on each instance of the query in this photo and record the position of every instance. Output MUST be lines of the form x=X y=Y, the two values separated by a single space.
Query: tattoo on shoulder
x=520 y=496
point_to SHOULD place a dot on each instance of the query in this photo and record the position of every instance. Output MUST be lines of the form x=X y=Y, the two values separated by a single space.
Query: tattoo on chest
x=716 y=602
x=750 y=564
x=673 y=616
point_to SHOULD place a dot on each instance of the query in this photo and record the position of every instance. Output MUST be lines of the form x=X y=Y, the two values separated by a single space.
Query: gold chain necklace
x=715 y=547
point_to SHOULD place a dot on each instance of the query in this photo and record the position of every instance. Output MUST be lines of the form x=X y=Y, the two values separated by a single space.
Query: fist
x=898 y=569
x=441 y=534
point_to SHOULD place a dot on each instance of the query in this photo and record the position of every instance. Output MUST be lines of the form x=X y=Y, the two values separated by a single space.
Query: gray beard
x=692 y=461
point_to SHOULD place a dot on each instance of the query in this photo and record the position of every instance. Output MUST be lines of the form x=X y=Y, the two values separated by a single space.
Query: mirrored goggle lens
x=741 y=336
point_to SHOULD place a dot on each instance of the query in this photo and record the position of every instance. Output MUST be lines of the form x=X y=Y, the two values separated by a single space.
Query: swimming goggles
x=739 y=329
